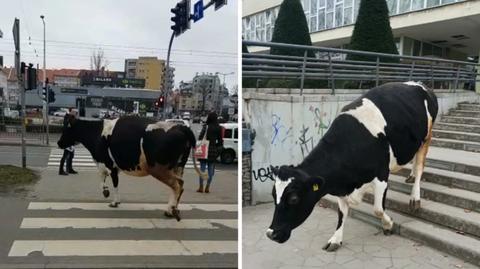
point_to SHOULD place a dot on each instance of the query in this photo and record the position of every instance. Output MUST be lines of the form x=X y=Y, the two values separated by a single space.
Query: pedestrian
x=213 y=133
x=69 y=152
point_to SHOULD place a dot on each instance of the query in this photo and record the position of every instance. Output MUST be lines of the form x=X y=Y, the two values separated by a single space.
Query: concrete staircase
x=449 y=217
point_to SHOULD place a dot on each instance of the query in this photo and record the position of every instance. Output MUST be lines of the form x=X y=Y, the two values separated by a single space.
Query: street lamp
x=45 y=80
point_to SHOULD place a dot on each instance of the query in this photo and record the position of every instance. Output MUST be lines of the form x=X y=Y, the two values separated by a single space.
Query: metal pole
x=45 y=81
x=378 y=71
x=302 y=79
x=332 y=80
x=165 y=97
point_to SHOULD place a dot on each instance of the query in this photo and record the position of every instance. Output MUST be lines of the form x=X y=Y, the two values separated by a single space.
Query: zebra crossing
x=83 y=160
x=83 y=230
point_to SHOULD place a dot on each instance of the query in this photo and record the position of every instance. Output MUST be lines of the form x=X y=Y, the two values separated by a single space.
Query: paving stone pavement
x=364 y=246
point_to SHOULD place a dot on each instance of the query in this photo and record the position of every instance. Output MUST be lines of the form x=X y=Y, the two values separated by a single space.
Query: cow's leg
x=336 y=240
x=103 y=176
x=380 y=193
x=419 y=165
x=357 y=195
x=411 y=177
x=116 y=196
x=176 y=187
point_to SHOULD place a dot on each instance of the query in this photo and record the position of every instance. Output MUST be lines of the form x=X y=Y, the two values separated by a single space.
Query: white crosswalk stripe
x=44 y=222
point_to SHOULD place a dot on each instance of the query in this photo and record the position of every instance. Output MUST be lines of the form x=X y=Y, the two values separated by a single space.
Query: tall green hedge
x=372 y=31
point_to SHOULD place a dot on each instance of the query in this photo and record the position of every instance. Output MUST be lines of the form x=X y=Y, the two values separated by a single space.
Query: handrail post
x=331 y=79
x=431 y=76
x=456 y=79
x=302 y=79
x=411 y=71
x=377 y=70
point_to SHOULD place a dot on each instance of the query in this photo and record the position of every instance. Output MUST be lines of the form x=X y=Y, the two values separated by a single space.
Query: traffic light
x=44 y=90
x=181 y=17
x=159 y=102
x=31 y=78
x=219 y=3
x=51 y=95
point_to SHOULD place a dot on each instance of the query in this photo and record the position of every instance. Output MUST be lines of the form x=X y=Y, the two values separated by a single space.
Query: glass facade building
x=327 y=14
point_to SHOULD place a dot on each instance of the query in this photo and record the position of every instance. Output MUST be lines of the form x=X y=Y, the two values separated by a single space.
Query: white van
x=230 y=143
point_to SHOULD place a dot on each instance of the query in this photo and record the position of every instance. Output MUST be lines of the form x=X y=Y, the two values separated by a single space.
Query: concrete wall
x=288 y=126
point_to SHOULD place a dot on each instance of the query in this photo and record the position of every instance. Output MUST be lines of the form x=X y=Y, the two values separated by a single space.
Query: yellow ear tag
x=315 y=187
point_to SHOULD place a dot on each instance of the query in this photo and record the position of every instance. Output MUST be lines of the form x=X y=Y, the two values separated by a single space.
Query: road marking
x=22 y=248
x=105 y=223
x=128 y=206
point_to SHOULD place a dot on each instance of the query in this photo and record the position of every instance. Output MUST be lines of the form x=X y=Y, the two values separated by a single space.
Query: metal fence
x=331 y=64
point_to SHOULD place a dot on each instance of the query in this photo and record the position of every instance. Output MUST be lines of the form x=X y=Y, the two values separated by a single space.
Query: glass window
x=235 y=133
x=437 y=51
x=313 y=7
x=348 y=16
x=228 y=133
x=357 y=7
x=407 y=46
x=432 y=3
x=313 y=24
x=329 y=20
x=338 y=15
x=330 y=4
x=348 y=3
x=417 y=4
x=321 y=3
x=404 y=6
x=321 y=19
x=392 y=6
x=448 y=1
x=416 y=47
x=427 y=49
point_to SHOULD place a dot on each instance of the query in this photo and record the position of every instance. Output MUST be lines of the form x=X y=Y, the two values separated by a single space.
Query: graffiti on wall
x=321 y=125
x=280 y=132
x=305 y=141
x=263 y=174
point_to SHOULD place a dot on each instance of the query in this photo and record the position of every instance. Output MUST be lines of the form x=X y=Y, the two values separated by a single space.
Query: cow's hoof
x=114 y=204
x=414 y=205
x=410 y=179
x=168 y=214
x=387 y=232
x=176 y=214
x=106 y=193
x=330 y=247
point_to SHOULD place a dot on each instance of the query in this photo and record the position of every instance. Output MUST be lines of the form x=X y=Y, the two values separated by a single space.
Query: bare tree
x=205 y=89
x=98 y=62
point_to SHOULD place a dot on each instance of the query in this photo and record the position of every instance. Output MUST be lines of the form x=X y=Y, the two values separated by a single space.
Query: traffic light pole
x=165 y=97
x=45 y=84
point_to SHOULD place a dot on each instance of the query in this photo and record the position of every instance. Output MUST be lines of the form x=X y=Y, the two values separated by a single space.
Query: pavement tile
x=364 y=246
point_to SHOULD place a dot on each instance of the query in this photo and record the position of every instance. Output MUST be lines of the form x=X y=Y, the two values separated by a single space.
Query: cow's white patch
x=356 y=196
x=429 y=117
x=159 y=125
x=370 y=116
x=108 y=126
x=142 y=163
x=413 y=83
x=280 y=187
x=111 y=157
x=393 y=164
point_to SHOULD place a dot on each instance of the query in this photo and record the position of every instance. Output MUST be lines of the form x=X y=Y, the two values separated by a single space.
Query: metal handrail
x=265 y=66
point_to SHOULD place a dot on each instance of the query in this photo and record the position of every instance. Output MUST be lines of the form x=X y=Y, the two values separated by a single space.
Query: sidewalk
x=364 y=246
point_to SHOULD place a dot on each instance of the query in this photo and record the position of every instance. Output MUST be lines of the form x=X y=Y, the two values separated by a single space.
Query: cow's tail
x=193 y=143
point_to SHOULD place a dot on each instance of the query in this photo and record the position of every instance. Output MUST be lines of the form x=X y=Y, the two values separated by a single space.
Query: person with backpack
x=212 y=132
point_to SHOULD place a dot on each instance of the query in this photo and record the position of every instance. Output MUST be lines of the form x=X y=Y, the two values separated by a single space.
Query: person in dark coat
x=214 y=136
x=69 y=152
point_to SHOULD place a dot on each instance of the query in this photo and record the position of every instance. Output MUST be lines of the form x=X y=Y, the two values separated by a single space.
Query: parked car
x=186 y=116
x=196 y=119
x=230 y=143
x=60 y=113
x=179 y=121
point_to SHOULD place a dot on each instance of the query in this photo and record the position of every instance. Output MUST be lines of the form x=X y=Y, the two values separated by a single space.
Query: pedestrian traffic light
x=31 y=78
x=219 y=3
x=51 y=95
x=181 y=17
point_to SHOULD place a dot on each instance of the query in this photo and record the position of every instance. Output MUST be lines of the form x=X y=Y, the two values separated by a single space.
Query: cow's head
x=69 y=134
x=295 y=194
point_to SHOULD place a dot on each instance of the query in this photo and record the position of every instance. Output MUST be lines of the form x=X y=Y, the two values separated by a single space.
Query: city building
x=431 y=28
x=151 y=69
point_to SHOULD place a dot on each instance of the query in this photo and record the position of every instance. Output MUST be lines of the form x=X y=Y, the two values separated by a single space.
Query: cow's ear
x=317 y=183
x=274 y=170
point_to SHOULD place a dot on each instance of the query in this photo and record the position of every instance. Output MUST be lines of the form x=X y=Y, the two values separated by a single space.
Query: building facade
x=430 y=28
x=151 y=69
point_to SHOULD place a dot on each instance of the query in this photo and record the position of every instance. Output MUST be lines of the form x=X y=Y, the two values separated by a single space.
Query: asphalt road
x=65 y=222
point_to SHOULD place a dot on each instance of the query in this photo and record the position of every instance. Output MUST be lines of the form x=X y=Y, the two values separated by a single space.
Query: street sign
x=198 y=11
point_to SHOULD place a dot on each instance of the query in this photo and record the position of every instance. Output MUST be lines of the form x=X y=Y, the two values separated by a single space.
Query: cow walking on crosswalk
x=137 y=147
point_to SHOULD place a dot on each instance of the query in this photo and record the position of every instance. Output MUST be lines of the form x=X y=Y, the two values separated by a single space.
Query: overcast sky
x=124 y=29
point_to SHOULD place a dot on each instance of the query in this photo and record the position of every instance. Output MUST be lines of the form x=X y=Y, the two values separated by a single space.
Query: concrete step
x=466 y=106
x=460 y=120
x=438 y=213
x=430 y=191
x=446 y=178
x=456 y=135
x=457 y=127
x=454 y=160
x=462 y=246
x=464 y=113
x=456 y=144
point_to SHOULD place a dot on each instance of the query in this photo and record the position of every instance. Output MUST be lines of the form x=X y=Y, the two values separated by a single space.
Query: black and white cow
x=376 y=134
x=137 y=147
